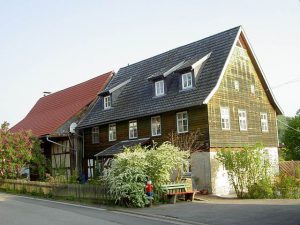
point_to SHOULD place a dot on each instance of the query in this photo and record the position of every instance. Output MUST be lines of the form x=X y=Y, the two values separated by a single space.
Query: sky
x=48 y=45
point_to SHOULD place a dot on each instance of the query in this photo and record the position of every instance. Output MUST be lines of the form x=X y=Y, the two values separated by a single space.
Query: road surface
x=20 y=210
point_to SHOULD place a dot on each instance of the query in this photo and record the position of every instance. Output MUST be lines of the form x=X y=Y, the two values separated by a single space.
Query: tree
x=187 y=141
x=291 y=139
x=15 y=151
x=245 y=168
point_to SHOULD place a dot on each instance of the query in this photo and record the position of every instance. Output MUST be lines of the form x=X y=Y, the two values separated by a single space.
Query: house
x=54 y=117
x=214 y=85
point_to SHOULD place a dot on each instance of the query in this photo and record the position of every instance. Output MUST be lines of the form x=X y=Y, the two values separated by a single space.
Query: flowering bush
x=15 y=151
x=130 y=169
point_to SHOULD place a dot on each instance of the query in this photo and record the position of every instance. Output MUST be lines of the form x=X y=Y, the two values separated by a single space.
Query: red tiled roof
x=52 y=111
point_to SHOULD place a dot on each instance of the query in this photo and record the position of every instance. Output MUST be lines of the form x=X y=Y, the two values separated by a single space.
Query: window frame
x=95 y=135
x=91 y=167
x=252 y=89
x=264 y=122
x=243 y=120
x=152 y=127
x=186 y=75
x=159 y=88
x=129 y=128
x=182 y=120
x=113 y=132
x=107 y=102
x=236 y=85
x=224 y=117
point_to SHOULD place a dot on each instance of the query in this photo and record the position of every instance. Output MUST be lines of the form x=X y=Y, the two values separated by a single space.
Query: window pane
x=133 y=129
x=112 y=132
x=95 y=135
x=155 y=126
x=186 y=80
x=243 y=119
x=182 y=122
x=225 y=118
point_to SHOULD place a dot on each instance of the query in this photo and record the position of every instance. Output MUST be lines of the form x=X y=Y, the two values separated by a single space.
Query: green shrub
x=246 y=168
x=262 y=189
x=287 y=187
x=129 y=172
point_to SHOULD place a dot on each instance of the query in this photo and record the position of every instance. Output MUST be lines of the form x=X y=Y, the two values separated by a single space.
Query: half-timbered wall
x=60 y=157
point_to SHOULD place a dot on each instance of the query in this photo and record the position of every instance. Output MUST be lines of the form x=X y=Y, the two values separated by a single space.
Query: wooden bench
x=173 y=190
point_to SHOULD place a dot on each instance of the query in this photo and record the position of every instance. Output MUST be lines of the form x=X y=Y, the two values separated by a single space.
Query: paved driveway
x=231 y=212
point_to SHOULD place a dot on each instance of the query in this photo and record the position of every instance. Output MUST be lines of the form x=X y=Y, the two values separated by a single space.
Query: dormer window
x=159 y=88
x=187 y=81
x=107 y=102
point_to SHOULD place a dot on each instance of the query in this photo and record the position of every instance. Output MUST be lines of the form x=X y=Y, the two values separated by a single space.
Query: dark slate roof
x=136 y=99
x=119 y=147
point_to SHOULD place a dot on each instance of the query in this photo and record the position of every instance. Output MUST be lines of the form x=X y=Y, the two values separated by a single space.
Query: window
x=155 y=126
x=252 y=88
x=112 y=132
x=95 y=135
x=159 y=88
x=90 y=168
x=264 y=122
x=243 y=119
x=187 y=81
x=182 y=122
x=236 y=85
x=133 y=129
x=225 y=118
x=107 y=102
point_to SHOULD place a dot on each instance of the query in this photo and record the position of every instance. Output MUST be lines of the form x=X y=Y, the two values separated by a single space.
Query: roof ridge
x=174 y=49
x=87 y=81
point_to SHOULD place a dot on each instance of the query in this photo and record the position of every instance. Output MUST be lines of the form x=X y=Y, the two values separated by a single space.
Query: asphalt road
x=15 y=210
x=232 y=211
x=18 y=210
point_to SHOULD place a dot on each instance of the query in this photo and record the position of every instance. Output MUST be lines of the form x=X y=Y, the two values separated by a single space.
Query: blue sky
x=50 y=45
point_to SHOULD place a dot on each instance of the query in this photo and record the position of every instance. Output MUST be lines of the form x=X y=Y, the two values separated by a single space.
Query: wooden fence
x=95 y=193
x=289 y=167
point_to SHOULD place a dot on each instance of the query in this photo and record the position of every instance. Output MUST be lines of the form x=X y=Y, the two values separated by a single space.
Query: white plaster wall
x=201 y=171
x=273 y=158
x=219 y=178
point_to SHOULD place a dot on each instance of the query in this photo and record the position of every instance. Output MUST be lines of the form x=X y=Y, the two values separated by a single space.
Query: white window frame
x=156 y=126
x=159 y=88
x=132 y=130
x=264 y=122
x=107 y=102
x=95 y=135
x=91 y=165
x=252 y=89
x=236 y=85
x=225 y=118
x=112 y=132
x=181 y=117
x=243 y=120
x=187 y=80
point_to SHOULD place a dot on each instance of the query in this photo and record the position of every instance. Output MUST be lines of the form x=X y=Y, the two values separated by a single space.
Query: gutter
x=56 y=143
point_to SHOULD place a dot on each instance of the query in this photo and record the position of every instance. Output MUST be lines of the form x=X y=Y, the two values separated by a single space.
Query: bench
x=173 y=190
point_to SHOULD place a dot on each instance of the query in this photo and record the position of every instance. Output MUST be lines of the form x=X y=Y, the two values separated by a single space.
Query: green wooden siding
x=240 y=68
